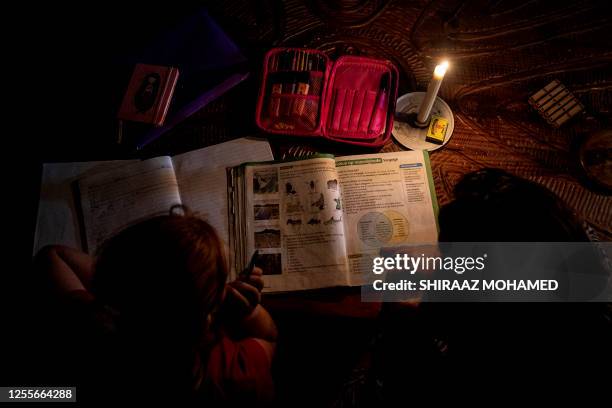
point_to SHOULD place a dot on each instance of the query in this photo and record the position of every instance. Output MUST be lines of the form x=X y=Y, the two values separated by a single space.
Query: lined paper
x=202 y=179
x=116 y=199
x=57 y=220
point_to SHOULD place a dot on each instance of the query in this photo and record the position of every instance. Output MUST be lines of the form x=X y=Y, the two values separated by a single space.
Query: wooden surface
x=501 y=52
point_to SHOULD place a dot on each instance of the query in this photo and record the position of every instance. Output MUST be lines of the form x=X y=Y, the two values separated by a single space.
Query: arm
x=262 y=328
x=246 y=317
x=257 y=324
x=67 y=271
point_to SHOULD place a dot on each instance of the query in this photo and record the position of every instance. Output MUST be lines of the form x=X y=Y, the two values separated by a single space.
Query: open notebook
x=115 y=194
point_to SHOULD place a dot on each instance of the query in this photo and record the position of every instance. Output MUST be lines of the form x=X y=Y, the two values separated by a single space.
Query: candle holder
x=411 y=134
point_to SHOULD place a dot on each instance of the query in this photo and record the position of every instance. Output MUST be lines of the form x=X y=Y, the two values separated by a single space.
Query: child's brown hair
x=163 y=278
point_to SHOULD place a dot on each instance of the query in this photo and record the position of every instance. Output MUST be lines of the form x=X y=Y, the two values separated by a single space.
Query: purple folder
x=209 y=64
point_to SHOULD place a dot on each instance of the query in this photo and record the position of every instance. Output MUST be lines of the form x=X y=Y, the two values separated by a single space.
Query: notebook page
x=202 y=177
x=115 y=199
x=57 y=221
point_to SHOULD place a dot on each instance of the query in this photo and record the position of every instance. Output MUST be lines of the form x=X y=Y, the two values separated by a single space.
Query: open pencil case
x=350 y=100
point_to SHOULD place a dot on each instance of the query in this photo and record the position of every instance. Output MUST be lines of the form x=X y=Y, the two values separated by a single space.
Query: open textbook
x=83 y=204
x=319 y=222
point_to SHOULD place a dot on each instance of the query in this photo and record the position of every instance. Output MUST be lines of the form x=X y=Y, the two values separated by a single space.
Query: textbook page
x=57 y=222
x=387 y=201
x=202 y=178
x=115 y=199
x=294 y=219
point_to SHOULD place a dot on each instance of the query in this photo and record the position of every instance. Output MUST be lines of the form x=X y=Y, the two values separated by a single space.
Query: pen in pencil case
x=281 y=101
x=289 y=83
x=303 y=86
x=379 y=116
x=276 y=91
x=293 y=68
x=316 y=80
x=295 y=62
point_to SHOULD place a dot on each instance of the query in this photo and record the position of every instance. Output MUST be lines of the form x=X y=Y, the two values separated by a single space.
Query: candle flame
x=441 y=70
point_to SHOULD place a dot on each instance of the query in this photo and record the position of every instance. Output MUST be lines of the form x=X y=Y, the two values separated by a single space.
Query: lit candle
x=432 y=92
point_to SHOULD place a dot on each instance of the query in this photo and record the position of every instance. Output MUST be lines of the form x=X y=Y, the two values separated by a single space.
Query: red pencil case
x=304 y=93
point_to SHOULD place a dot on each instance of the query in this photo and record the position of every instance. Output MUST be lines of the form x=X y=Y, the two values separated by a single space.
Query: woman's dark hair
x=492 y=205
x=163 y=278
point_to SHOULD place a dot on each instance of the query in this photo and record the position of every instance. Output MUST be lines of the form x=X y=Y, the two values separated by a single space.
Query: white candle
x=432 y=93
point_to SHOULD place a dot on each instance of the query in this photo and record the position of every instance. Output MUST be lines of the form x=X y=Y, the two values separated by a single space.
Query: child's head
x=164 y=277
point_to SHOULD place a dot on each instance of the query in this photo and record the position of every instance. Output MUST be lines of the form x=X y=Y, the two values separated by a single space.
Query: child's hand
x=245 y=316
x=244 y=294
x=255 y=278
